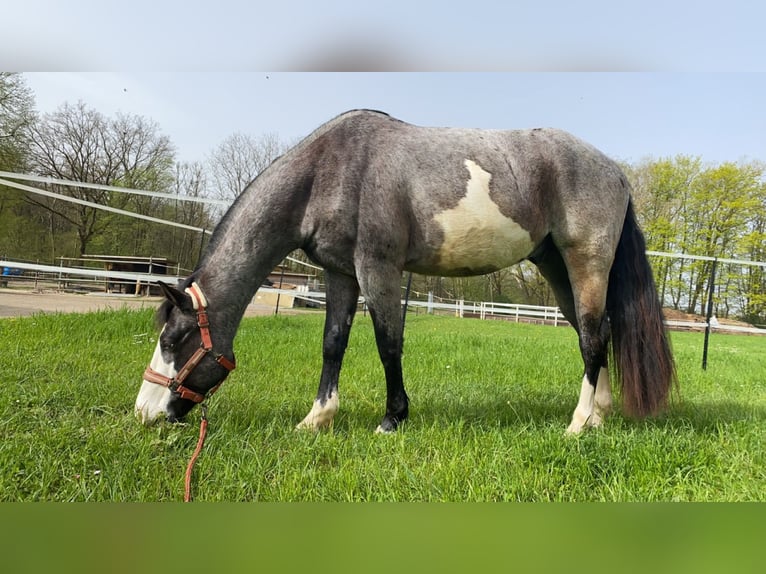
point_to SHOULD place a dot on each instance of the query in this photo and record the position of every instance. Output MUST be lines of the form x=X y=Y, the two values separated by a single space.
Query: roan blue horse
x=367 y=196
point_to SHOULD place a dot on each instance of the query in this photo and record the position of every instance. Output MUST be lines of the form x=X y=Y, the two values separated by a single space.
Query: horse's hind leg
x=592 y=407
x=342 y=298
x=589 y=276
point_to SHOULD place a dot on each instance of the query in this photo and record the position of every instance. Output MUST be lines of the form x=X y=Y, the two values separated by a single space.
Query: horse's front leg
x=381 y=291
x=342 y=298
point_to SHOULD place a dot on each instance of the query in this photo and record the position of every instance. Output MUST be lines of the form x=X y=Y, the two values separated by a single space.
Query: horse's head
x=185 y=368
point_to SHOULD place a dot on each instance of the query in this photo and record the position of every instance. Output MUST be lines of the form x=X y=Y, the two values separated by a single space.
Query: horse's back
x=460 y=201
x=526 y=166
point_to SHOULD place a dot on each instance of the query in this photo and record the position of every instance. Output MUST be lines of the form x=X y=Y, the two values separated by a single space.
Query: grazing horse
x=367 y=196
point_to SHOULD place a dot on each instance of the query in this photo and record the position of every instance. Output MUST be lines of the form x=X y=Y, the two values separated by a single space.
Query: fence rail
x=64 y=275
x=479 y=309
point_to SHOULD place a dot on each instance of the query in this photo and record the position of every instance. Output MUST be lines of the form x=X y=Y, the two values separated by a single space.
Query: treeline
x=78 y=143
x=684 y=205
x=718 y=211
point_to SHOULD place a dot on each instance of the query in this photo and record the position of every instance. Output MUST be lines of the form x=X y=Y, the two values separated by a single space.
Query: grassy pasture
x=489 y=404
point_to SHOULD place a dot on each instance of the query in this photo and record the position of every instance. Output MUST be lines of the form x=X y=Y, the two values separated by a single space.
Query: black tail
x=641 y=353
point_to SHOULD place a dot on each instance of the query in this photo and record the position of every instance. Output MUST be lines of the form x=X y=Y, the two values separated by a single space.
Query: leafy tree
x=16 y=115
x=715 y=211
x=752 y=246
x=661 y=193
x=721 y=201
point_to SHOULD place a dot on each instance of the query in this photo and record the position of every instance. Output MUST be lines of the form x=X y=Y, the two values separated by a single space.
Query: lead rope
x=197 y=451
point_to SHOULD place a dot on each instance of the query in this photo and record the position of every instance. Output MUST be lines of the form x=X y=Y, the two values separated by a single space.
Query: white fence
x=491 y=310
x=63 y=275
x=482 y=310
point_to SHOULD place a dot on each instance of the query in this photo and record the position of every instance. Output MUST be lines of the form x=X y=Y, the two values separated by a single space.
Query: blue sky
x=630 y=116
x=481 y=35
x=653 y=78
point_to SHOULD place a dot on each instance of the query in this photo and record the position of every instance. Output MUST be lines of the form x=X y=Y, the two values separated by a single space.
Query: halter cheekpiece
x=175 y=384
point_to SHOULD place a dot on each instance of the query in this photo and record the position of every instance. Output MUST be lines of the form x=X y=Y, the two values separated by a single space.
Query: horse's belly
x=477 y=237
x=470 y=250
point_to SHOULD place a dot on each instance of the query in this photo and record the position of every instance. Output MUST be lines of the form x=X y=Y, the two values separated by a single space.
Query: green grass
x=489 y=404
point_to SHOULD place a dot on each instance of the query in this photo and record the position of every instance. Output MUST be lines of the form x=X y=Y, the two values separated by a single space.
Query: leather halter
x=175 y=383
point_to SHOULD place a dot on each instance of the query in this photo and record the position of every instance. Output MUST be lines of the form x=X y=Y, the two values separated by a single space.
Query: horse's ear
x=178 y=298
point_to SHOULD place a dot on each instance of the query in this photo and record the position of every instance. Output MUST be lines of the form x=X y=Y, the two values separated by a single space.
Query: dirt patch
x=21 y=303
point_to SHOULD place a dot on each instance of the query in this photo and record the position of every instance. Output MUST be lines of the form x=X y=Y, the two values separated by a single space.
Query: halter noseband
x=206 y=346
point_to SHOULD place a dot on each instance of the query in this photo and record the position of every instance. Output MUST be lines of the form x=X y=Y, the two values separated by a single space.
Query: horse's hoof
x=595 y=420
x=321 y=415
x=387 y=426
x=575 y=428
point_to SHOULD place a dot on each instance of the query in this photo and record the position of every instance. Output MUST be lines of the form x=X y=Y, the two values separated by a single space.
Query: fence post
x=406 y=303
x=709 y=314
x=279 y=293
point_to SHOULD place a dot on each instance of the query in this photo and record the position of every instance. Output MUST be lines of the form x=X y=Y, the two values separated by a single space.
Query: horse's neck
x=254 y=237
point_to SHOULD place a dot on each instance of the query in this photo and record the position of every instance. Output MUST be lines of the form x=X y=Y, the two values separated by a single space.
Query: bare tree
x=531 y=287
x=186 y=245
x=79 y=143
x=238 y=159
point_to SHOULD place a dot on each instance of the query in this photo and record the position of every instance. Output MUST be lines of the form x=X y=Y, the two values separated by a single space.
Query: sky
x=410 y=35
x=630 y=116
x=654 y=78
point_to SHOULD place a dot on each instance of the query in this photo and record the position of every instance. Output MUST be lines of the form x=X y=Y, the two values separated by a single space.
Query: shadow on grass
x=505 y=410
x=705 y=416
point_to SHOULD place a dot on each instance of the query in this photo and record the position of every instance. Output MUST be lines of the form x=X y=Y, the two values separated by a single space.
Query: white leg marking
x=584 y=407
x=319 y=416
x=594 y=404
x=603 y=400
x=152 y=400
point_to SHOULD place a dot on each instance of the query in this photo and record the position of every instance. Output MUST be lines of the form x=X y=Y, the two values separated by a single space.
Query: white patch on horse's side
x=593 y=405
x=153 y=399
x=320 y=416
x=476 y=234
